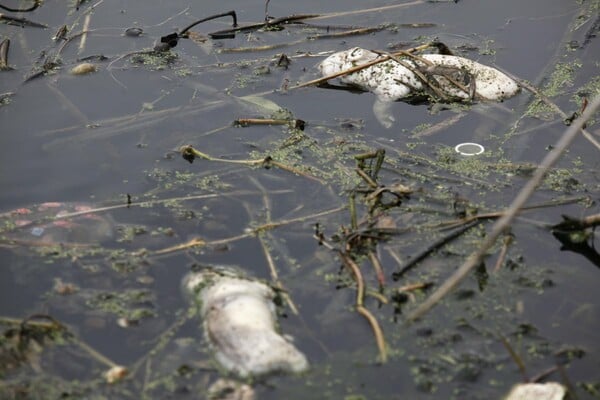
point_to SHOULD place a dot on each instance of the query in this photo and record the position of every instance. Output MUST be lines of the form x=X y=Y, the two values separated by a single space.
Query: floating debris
x=434 y=77
x=35 y=5
x=469 y=149
x=240 y=324
x=61 y=33
x=5 y=98
x=537 y=391
x=4 y=46
x=23 y=22
x=83 y=69
x=52 y=223
x=134 y=32
x=116 y=374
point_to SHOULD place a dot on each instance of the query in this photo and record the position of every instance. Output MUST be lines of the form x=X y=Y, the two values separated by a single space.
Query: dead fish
x=240 y=324
x=391 y=81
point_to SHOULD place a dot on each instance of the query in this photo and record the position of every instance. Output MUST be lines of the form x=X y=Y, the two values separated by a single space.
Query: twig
x=544 y=374
x=446 y=123
x=515 y=358
x=360 y=294
x=277 y=224
x=69 y=105
x=162 y=201
x=504 y=222
x=195 y=242
x=508 y=239
x=369 y=10
x=498 y=214
x=95 y=354
x=275 y=276
x=293 y=123
x=414 y=286
x=378 y=268
x=85 y=28
x=352 y=32
x=54 y=324
x=4 y=46
x=35 y=5
x=434 y=246
x=352 y=208
x=21 y=21
x=225 y=14
x=346 y=33
x=261 y=228
x=162 y=340
x=372 y=184
x=272 y=268
x=565 y=378
x=189 y=153
x=254 y=27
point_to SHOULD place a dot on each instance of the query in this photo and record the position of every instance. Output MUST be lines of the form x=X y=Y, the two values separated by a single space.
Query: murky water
x=97 y=138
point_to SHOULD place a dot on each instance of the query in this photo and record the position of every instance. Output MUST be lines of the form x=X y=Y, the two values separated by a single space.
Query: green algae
x=155 y=60
x=561 y=79
x=126 y=303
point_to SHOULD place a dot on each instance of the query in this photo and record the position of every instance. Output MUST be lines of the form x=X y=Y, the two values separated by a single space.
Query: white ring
x=477 y=145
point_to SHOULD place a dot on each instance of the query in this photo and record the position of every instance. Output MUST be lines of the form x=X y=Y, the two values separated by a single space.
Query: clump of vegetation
x=155 y=60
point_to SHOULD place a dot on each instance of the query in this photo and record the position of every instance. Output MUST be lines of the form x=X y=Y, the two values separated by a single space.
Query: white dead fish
x=240 y=324
x=392 y=81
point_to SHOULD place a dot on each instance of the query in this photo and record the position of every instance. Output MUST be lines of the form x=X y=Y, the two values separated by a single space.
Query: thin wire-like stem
x=369 y=10
x=198 y=242
x=225 y=14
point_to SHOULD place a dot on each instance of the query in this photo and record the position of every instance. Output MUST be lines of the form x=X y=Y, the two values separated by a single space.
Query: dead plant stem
x=360 y=294
x=275 y=276
x=368 y=10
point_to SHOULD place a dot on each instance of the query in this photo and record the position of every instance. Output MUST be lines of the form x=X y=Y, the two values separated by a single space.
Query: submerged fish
x=240 y=324
x=391 y=80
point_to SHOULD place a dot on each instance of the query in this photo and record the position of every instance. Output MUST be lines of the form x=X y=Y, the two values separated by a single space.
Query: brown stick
x=506 y=243
x=360 y=294
x=378 y=268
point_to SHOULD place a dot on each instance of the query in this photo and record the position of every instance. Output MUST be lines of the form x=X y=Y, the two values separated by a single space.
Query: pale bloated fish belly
x=241 y=326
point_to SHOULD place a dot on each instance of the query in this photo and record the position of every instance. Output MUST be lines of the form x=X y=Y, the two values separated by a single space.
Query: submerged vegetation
x=231 y=153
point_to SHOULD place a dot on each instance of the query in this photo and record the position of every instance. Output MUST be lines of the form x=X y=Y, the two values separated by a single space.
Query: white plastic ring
x=469 y=149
